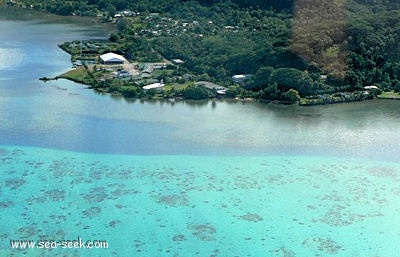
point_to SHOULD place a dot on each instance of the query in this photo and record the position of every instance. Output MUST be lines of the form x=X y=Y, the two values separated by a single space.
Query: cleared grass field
x=389 y=95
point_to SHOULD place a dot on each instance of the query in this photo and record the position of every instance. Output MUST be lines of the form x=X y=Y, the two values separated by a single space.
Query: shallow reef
x=200 y=205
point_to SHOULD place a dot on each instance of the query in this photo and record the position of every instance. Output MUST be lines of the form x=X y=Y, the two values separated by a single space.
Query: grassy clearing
x=389 y=95
x=178 y=86
x=79 y=75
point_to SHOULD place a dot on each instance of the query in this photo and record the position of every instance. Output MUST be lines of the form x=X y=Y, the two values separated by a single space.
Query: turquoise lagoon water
x=177 y=205
x=214 y=178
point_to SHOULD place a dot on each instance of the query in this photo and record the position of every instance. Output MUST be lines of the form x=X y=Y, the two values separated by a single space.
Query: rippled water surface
x=217 y=178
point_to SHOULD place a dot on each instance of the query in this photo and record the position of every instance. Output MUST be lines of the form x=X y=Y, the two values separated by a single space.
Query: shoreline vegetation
x=261 y=51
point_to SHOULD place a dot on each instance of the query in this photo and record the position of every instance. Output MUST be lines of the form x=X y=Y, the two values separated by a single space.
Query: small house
x=177 y=61
x=210 y=85
x=148 y=69
x=240 y=78
x=220 y=90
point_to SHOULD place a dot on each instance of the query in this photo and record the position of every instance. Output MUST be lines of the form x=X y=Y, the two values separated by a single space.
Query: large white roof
x=153 y=86
x=111 y=57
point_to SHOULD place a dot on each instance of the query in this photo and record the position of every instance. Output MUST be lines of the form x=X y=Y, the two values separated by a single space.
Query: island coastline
x=171 y=83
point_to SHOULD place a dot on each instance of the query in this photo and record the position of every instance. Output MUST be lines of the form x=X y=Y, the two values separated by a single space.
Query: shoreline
x=134 y=88
x=82 y=74
x=173 y=100
x=357 y=96
x=89 y=80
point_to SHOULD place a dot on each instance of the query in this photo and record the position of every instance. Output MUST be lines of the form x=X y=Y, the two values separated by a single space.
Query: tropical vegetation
x=308 y=49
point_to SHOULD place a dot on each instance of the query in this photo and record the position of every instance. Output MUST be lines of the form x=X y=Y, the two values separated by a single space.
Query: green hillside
x=314 y=47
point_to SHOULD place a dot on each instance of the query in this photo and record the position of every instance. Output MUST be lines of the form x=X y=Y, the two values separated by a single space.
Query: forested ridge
x=314 y=47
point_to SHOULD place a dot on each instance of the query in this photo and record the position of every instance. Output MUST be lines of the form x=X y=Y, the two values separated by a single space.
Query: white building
x=157 y=86
x=111 y=58
x=177 y=61
x=240 y=78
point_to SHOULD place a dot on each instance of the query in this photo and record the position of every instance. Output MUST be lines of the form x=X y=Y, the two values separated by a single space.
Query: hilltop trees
x=374 y=49
x=319 y=34
x=287 y=78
